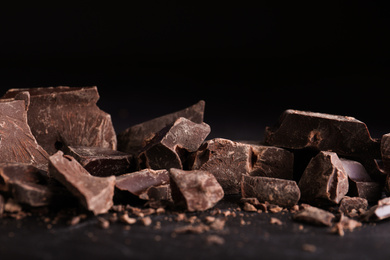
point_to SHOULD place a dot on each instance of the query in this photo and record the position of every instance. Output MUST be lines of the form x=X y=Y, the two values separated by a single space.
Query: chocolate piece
x=315 y=216
x=195 y=190
x=156 y=193
x=226 y=160
x=168 y=149
x=100 y=161
x=385 y=151
x=350 y=204
x=17 y=143
x=345 y=223
x=270 y=161
x=324 y=179
x=281 y=192
x=139 y=182
x=135 y=137
x=19 y=172
x=35 y=195
x=67 y=115
x=94 y=193
x=377 y=213
x=343 y=135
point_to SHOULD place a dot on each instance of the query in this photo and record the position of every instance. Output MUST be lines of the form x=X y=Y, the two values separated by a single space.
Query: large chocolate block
x=281 y=192
x=170 y=147
x=226 y=160
x=344 y=135
x=100 y=161
x=17 y=143
x=195 y=190
x=94 y=193
x=270 y=161
x=324 y=179
x=139 y=182
x=135 y=137
x=67 y=115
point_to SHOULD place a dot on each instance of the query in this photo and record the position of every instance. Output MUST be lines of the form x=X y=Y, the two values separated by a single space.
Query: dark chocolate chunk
x=157 y=193
x=315 y=216
x=67 y=115
x=135 y=137
x=195 y=190
x=35 y=195
x=350 y=204
x=378 y=212
x=281 y=192
x=343 y=135
x=170 y=146
x=270 y=161
x=226 y=160
x=324 y=180
x=100 y=161
x=94 y=193
x=139 y=182
x=17 y=143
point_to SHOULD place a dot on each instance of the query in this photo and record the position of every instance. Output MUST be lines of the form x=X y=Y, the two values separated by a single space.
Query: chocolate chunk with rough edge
x=157 y=193
x=378 y=212
x=350 y=204
x=343 y=135
x=140 y=181
x=195 y=190
x=35 y=195
x=226 y=160
x=94 y=193
x=171 y=146
x=324 y=179
x=67 y=115
x=17 y=143
x=271 y=161
x=135 y=137
x=281 y=192
x=100 y=161
x=315 y=216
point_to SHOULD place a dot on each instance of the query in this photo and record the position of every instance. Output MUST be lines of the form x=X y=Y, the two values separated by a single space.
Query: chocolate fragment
x=67 y=115
x=17 y=143
x=345 y=223
x=138 y=183
x=170 y=146
x=343 y=135
x=101 y=161
x=350 y=205
x=195 y=190
x=315 y=216
x=281 y=192
x=270 y=161
x=324 y=179
x=135 y=137
x=226 y=160
x=385 y=151
x=378 y=212
x=157 y=193
x=94 y=193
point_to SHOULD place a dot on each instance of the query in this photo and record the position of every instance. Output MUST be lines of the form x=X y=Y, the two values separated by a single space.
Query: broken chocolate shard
x=101 y=161
x=195 y=190
x=271 y=161
x=139 y=182
x=32 y=194
x=94 y=193
x=67 y=115
x=171 y=145
x=17 y=143
x=343 y=135
x=226 y=160
x=281 y=192
x=315 y=216
x=350 y=204
x=324 y=180
x=135 y=137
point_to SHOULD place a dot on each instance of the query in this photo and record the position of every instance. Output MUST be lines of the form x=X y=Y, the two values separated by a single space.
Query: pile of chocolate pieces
x=58 y=148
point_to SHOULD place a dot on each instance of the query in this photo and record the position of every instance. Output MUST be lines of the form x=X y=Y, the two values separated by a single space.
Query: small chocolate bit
x=343 y=135
x=281 y=192
x=343 y=224
x=271 y=161
x=135 y=137
x=324 y=179
x=17 y=143
x=378 y=212
x=94 y=193
x=226 y=160
x=101 y=161
x=137 y=183
x=195 y=190
x=315 y=216
x=67 y=115
x=170 y=146
x=350 y=204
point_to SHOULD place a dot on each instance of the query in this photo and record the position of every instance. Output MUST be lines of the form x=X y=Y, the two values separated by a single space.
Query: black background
x=248 y=62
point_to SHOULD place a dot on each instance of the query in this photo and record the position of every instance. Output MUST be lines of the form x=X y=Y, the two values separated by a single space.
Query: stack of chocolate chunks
x=56 y=145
